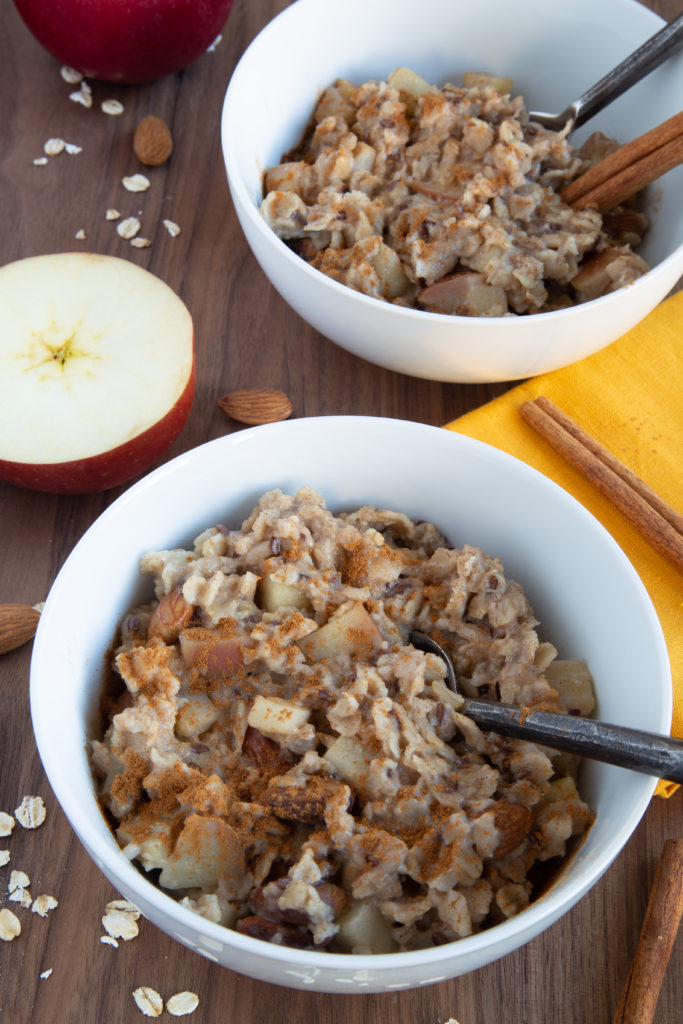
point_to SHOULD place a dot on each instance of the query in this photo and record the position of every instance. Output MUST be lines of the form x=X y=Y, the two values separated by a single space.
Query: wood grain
x=246 y=337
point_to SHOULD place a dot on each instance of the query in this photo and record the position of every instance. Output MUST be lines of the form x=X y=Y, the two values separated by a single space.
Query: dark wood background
x=246 y=337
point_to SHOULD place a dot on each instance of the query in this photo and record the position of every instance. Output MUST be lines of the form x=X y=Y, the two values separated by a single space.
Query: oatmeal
x=448 y=200
x=287 y=764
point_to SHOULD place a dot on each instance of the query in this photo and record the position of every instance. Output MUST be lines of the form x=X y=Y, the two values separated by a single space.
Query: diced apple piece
x=464 y=295
x=214 y=657
x=275 y=717
x=97 y=371
x=409 y=81
x=273 y=594
x=350 y=759
x=480 y=78
x=195 y=716
x=574 y=683
x=155 y=850
x=561 y=789
x=353 y=633
x=362 y=929
x=607 y=271
x=207 y=850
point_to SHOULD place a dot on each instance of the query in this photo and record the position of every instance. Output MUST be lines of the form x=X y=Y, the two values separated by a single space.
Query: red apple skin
x=125 y=41
x=107 y=469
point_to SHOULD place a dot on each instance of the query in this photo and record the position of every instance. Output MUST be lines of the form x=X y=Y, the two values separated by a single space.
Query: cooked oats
x=289 y=765
x=148 y=1001
x=31 y=812
x=182 y=1003
x=9 y=925
x=445 y=200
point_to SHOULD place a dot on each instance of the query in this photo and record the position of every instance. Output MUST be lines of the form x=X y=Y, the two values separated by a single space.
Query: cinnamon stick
x=634 y=165
x=598 y=466
x=664 y=909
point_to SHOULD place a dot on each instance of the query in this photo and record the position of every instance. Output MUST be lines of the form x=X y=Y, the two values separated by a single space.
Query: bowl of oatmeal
x=400 y=198
x=250 y=748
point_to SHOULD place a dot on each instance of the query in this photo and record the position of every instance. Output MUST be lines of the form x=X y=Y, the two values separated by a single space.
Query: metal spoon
x=645 y=59
x=643 y=752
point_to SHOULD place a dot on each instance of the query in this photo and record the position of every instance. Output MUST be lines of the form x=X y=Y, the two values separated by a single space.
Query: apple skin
x=107 y=469
x=125 y=41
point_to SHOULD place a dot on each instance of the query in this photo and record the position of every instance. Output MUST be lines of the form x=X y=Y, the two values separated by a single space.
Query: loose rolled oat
x=108 y=940
x=112 y=214
x=4 y=858
x=141 y=243
x=72 y=149
x=82 y=96
x=54 y=146
x=80 y=235
x=120 y=920
x=172 y=228
x=7 y=824
x=128 y=228
x=46 y=974
x=18 y=880
x=40 y=161
x=136 y=183
x=182 y=1003
x=9 y=925
x=70 y=75
x=31 y=812
x=112 y=107
x=43 y=904
x=148 y=1001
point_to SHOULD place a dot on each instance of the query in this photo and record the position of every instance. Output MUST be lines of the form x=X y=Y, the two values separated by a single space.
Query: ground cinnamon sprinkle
x=128 y=785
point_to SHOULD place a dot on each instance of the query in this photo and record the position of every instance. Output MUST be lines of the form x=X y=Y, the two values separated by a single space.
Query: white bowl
x=553 y=52
x=578 y=580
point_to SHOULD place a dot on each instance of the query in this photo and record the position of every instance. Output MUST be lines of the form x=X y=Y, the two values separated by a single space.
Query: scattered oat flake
x=112 y=214
x=120 y=924
x=53 y=146
x=128 y=227
x=22 y=896
x=112 y=107
x=172 y=228
x=148 y=1001
x=136 y=183
x=43 y=904
x=4 y=858
x=125 y=906
x=80 y=234
x=18 y=880
x=109 y=940
x=46 y=974
x=215 y=43
x=182 y=1003
x=9 y=925
x=40 y=161
x=70 y=75
x=31 y=812
x=141 y=243
x=83 y=96
x=71 y=148
x=7 y=823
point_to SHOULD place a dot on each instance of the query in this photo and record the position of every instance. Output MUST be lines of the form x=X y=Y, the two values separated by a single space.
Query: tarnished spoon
x=644 y=752
x=645 y=59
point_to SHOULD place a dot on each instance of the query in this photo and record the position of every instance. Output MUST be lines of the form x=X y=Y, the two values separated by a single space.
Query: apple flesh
x=97 y=371
x=125 y=40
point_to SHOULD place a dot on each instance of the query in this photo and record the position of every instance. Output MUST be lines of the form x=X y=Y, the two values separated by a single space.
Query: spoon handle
x=636 y=66
x=614 y=744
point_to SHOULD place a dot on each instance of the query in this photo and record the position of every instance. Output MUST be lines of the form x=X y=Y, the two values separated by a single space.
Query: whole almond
x=513 y=822
x=152 y=142
x=18 y=623
x=256 y=405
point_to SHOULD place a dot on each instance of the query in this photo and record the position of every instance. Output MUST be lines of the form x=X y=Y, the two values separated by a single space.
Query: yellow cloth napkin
x=629 y=397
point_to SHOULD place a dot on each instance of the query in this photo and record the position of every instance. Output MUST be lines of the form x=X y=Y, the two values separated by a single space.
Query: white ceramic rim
x=114 y=864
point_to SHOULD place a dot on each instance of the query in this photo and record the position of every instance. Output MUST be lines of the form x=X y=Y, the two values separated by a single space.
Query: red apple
x=97 y=371
x=125 y=40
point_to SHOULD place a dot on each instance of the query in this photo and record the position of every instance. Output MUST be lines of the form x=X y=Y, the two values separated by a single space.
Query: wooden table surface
x=246 y=337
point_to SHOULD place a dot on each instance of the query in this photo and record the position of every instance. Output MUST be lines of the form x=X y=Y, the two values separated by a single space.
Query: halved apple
x=97 y=371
